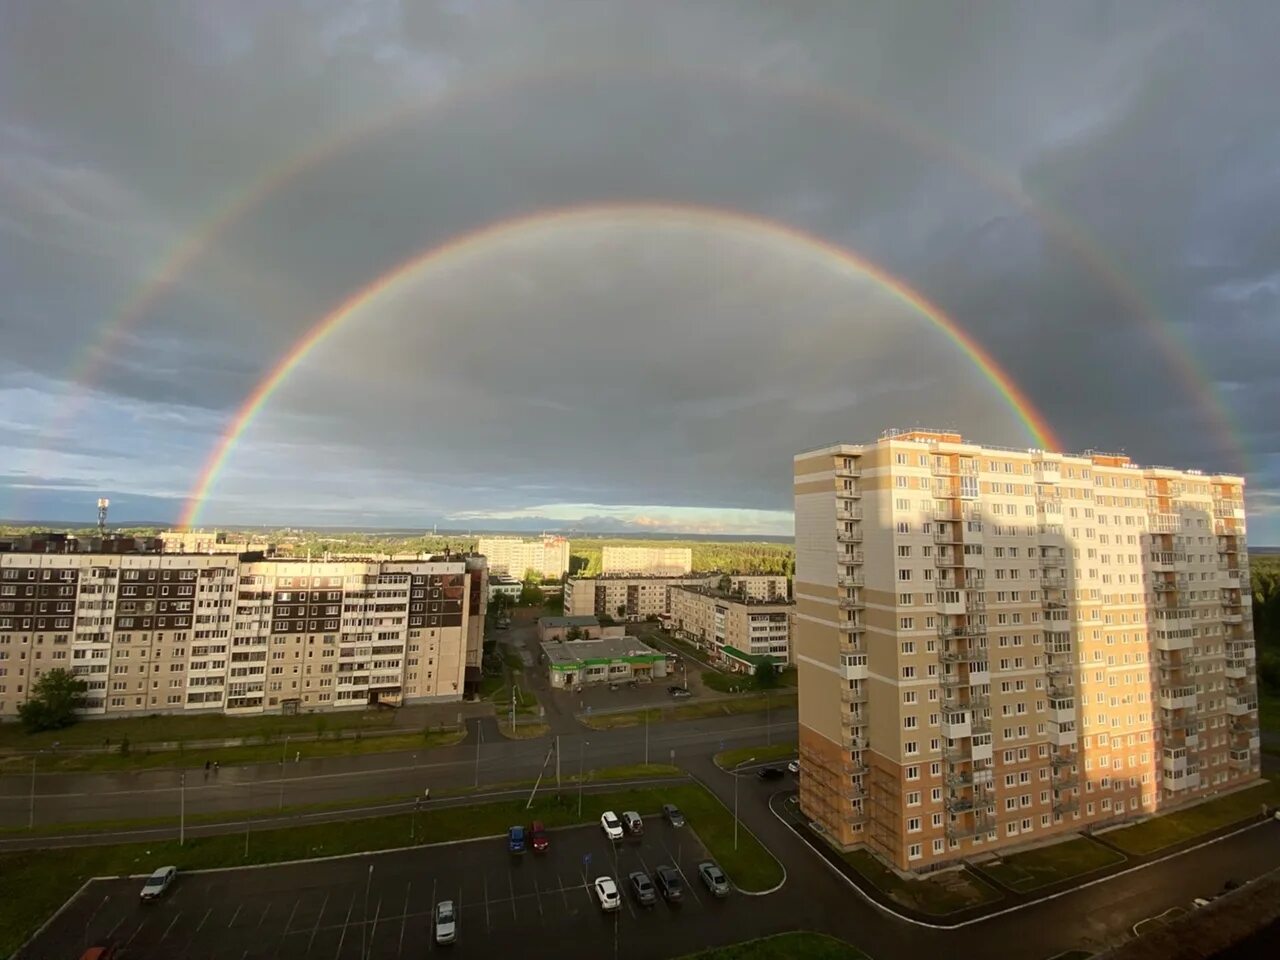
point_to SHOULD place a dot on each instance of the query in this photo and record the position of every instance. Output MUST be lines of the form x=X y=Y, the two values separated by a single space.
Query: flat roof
x=583 y=621
x=566 y=653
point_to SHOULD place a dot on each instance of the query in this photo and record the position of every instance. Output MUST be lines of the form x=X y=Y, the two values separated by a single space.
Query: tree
x=622 y=610
x=766 y=675
x=573 y=633
x=530 y=595
x=54 y=699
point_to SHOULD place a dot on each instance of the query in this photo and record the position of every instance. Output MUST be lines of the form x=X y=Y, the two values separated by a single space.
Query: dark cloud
x=1074 y=186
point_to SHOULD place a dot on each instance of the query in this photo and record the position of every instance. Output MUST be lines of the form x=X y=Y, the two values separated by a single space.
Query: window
x=913 y=824
x=914 y=852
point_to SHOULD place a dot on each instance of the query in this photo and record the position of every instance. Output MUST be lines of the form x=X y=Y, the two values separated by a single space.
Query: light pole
x=182 y=808
x=646 y=738
x=284 y=752
x=582 y=745
x=364 y=926
x=768 y=721
x=479 y=740
x=735 y=801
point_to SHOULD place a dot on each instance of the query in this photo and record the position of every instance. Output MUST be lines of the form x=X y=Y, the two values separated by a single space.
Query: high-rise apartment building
x=999 y=646
x=155 y=632
x=547 y=556
x=647 y=561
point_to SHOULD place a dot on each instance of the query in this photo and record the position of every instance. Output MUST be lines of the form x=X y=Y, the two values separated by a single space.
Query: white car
x=611 y=825
x=446 y=922
x=607 y=893
x=158 y=883
x=794 y=767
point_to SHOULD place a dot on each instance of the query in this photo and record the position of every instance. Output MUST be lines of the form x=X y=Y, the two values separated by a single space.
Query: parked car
x=714 y=878
x=680 y=693
x=632 y=823
x=515 y=839
x=607 y=893
x=671 y=813
x=538 y=838
x=158 y=883
x=669 y=882
x=98 y=953
x=1200 y=902
x=769 y=773
x=446 y=922
x=794 y=768
x=642 y=887
x=611 y=825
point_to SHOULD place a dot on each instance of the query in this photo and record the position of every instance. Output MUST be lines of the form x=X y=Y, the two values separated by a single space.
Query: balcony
x=1164 y=523
x=961 y=831
x=956 y=726
x=1165 y=561
x=1171 y=641
x=952 y=603
x=1053 y=560
x=852 y=512
x=1229 y=509
x=1179 y=698
x=848 y=471
x=1046 y=472
x=948 y=558
x=849 y=580
x=1062 y=735
x=1237 y=669
x=979 y=673
x=1190 y=781
x=850 y=742
x=853 y=667
x=853 y=695
x=851 y=627
x=1174 y=761
x=1062 y=711
x=1065 y=805
x=957 y=805
x=1239 y=706
x=1065 y=779
x=850 y=556
x=1060 y=760
x=1053 y=581
x=1232 y=617
x=980 y=724
x=852 y=767
x=1240 y=760
x=1164 y=586
x=948 y=533
x=851 y=603
x=980 y=747
x=848 y=536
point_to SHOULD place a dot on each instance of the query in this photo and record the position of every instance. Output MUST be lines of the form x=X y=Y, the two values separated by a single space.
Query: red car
x=540 y=841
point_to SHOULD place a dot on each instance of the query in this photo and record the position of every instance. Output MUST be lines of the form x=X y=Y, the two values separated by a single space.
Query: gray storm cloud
x=631 y=364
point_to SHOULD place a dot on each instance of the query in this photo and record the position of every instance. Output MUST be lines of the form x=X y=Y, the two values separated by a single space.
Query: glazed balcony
x=951 y=603
x=956 y=726
x=1188 y=781
x=1179 y=698
x=1164 y=522
x=1240 y=760
x=1237 y=669
x=853 y=666
x=1062 y=735
x=1240 y=706
x=1046 y=471
x=1062 y=711
x=1172 y=641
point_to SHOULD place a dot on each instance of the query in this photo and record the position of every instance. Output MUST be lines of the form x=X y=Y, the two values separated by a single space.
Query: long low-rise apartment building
x=628 y=597
x=1001 y=647
x=162 y=633
x=735 y=630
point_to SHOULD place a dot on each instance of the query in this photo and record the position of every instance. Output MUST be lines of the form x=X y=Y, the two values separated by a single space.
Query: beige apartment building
x=735 y=630
x=156 y=632
x=547 y=556
x=647 y=561
x=628 y=597
x=996 y=647
x=214 y=541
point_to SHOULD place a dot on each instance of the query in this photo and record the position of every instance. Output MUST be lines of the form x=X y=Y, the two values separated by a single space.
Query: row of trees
x=1265 y=583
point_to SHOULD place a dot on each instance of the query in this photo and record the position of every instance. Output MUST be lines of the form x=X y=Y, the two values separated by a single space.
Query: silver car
x=158 y=883
x=446 y=922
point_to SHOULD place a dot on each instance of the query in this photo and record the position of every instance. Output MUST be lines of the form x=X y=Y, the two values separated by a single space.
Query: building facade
x=998 y=646
x=547 y=556
x=158 y=632
x=647 y=561
x=628 y=597
x=215 y=541
x=737 y=632
x=575 y=663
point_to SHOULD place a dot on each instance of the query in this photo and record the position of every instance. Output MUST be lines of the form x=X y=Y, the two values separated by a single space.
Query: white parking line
x=675 y=862
x=170 y=926
x=112 y=932
x=239 y=907
x=203 y=919
x=537 y=893
x=264 y=914
x=373 y=932
x=404 y=919
x=486 y=904
x=511 y=885
x=289 y=923
x=135 y=933
x=342 y=939
x=316 y=926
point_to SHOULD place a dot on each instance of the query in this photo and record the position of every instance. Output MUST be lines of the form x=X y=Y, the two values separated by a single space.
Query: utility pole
x=182 y=808
x=582 y=745
x=557 y=766
x=735 y=801
x=479 y=740
x=31 y=813
x=768 y=720
x=284 y=752
x=646 y=738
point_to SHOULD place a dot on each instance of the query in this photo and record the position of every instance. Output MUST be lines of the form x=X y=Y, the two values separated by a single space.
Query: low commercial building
x=505 y=586
x=572 y=664
x=546 y=556
x=737 y=631
x=588 y=628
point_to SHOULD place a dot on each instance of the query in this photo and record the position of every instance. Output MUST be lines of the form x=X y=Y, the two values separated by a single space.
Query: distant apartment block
x=736 y=631
x=998 y=647
x=215 y=541
x=628 y=597
x=155 y=632
x=547 y=556
x=647 y=561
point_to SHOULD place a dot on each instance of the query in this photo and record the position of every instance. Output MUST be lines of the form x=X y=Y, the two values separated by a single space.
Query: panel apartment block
x=156 y=633
x=650 y=561
x=547 y=556
x=996 y=647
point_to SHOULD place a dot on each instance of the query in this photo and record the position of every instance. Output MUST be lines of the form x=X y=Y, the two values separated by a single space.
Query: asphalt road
x=539 y=907
x=485 y=758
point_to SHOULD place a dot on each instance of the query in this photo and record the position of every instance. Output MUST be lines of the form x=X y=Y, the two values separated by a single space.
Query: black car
x=642 y=887
x=770 y=773
x=669 y=882
x=671 y=813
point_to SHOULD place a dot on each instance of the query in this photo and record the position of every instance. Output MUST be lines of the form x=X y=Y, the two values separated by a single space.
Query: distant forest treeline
x=1264 y=579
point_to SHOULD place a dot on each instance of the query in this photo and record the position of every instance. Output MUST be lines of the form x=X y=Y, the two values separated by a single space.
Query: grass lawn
x=756 y=703
x=140 y=759
x=1268 y=709
x=37 y=882
x=939 y=894
x=151 y=729
x=728 y=759
x=784 y=946
x=1049 y=864
x=1160 y=832
x=523 y=731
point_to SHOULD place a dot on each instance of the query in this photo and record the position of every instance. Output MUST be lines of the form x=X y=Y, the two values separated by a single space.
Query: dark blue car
x=515 y=839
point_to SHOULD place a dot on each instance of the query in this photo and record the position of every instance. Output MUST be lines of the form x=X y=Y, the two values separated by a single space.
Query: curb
x=763 y=846
x=57 y=913
x=1016 y=907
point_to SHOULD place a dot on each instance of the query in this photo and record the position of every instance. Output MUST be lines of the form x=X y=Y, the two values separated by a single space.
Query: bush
x=55 y=697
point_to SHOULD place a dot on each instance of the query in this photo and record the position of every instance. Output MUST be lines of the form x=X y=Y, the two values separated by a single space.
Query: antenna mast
x=103 y=503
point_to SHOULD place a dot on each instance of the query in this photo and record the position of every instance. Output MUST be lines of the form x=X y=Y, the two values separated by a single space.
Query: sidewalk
x=1008 y=898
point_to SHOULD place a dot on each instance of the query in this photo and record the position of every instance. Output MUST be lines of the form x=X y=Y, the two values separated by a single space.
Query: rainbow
x=567 y=218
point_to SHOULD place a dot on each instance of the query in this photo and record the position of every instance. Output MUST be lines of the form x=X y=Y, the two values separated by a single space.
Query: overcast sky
x=1091 y=190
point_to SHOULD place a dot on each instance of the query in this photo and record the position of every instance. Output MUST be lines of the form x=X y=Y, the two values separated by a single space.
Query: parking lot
x=380 y=905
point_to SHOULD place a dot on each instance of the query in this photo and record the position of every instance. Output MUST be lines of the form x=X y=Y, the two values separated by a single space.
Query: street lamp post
x=31 y=812
x=735 y=801
x=582 y=745
x=284 y=752
x=364 y=926
x=182 y=808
